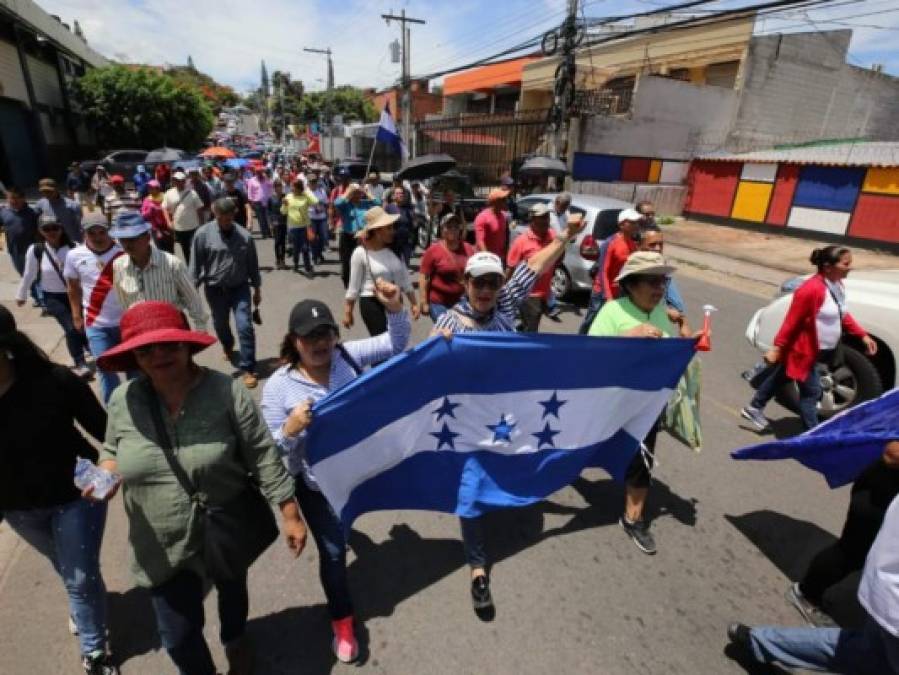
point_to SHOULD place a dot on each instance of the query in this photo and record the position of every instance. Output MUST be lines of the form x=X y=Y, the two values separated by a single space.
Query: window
x=722 y=74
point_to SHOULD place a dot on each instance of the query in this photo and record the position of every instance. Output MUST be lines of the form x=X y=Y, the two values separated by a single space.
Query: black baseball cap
x=308 y=315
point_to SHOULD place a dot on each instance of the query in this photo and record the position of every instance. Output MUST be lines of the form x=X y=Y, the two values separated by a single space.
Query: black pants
x=867 y=507
x=531 y=311
x=184 y=240
x=347 y=245
x=279 y=232
x=639 y=471
x=374 y=316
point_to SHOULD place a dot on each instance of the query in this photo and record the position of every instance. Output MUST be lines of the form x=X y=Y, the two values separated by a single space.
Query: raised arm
x=546 y=257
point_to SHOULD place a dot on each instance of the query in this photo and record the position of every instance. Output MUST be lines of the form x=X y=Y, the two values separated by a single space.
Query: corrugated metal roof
x=860 y=153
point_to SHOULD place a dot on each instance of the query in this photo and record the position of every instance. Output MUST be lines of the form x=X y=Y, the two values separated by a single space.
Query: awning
x=460 y=137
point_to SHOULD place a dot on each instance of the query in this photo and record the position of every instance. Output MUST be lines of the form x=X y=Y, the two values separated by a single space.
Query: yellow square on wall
x=751 y=202
x=655 y=170
x=882 y=180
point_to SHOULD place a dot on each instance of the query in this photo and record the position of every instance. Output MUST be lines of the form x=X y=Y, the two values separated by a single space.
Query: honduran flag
x=388 y=134
x=843 y=446
x=489 y=420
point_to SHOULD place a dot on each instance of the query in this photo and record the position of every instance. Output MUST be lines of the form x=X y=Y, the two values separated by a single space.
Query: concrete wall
x=668 y=199
x=670 y=119
x=798 y=87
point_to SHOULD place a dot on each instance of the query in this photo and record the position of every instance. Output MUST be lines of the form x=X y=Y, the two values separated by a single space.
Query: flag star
x=545 y=437
x=552 y=405
x=445 y=437
x=502 y=430
x=446 y=409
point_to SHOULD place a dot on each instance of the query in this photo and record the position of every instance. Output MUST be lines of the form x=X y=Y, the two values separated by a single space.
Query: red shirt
x=490 y=230
x=524 y=248
x=446 y=269
x=616 y=255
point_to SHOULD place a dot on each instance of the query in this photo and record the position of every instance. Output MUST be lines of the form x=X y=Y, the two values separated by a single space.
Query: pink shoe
x=345 y=647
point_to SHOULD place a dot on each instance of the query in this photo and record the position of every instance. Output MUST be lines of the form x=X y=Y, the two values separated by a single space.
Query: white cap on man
x=629 y=214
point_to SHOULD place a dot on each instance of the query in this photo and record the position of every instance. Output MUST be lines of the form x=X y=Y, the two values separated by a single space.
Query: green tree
x=346 y=101
x=217 y=95
x=139 y=107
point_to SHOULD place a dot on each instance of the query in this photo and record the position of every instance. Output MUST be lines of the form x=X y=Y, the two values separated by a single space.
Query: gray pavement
x=573 y=594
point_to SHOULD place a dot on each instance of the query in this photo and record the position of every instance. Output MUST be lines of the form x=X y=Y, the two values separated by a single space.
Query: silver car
x=873 y=299
x=601 y=214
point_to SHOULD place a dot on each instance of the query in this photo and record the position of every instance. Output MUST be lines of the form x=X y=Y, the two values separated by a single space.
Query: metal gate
x=484 y=146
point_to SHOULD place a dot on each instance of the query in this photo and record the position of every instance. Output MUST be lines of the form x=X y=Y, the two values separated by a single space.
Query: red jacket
x=798 y=335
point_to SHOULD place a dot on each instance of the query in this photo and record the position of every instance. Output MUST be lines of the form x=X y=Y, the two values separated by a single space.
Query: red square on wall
x=876 y=217
x=635 y=170
x=711 y=187
x=782 y=197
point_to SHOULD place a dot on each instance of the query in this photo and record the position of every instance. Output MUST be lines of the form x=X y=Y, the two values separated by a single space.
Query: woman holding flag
x=488 y=304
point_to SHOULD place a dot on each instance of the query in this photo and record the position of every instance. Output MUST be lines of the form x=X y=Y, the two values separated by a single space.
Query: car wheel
x=855 y=381
x=561 y=283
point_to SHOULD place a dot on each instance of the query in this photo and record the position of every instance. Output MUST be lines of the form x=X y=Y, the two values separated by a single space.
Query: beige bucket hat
x=645 y=262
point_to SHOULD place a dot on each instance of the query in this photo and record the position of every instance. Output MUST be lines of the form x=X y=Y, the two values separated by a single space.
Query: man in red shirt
x=538 y=236
x=491 y=226
x=623 y=243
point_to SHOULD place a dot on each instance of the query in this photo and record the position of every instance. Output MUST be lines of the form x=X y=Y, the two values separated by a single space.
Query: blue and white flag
x=489 y=420
x=843 y=446
x=388 y=134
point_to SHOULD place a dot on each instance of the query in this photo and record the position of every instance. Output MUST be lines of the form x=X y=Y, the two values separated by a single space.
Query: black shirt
x=40 y=442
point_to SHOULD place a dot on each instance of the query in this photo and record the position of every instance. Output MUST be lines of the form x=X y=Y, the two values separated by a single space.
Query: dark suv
x=123 y=162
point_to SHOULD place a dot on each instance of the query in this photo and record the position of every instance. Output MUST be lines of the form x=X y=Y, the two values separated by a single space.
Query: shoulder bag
x=235 y=533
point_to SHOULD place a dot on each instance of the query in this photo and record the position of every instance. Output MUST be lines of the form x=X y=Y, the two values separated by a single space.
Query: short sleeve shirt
x=94 y=272
x=446 y=269
x=619 y=316
x=183 y=205
x=492 y=228
x=524 y=248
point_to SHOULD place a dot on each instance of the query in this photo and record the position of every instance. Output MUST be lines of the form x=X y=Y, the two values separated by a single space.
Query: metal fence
x=484 y=146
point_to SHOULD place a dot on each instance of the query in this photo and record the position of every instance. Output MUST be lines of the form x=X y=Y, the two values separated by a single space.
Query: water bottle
x=89 y=474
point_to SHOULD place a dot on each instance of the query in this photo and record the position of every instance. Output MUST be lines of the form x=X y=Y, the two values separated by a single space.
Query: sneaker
x=98 y=663
x=754 y=415
x=813 y=615
x=639 y=532
x=83 y=372
x=345 y=647
x=73 y=629
x=250 y=380
x=739 y=634
x=480 y=592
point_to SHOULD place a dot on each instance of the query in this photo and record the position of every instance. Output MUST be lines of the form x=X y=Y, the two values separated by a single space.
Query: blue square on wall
x=588 y=166
x=828 y=187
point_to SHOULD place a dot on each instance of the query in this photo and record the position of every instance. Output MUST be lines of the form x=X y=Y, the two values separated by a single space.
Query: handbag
x=235 y=533
x=681 y=417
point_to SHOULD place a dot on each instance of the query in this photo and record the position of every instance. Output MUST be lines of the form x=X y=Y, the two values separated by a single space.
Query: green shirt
x=296 y=208
x=219 y=437
x=621 y=315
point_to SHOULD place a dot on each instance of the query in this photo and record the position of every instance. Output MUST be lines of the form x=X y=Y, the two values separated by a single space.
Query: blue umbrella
x=236 y=163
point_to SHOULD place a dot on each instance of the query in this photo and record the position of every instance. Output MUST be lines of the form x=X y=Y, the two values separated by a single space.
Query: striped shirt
x=164 y=278
x=502 y=319
x=287 y=387
x=123 y=201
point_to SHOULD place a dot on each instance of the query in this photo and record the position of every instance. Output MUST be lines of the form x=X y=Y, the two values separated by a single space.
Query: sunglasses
x=316 y=334
x=491 y=282
x=654 y=280
x=166 y=347
x=51 y=228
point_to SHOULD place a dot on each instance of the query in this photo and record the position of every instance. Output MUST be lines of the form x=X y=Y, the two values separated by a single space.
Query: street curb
x=744 y=259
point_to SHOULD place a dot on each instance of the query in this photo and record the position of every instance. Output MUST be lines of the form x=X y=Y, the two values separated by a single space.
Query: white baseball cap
x=483 y=262
x=179 y=175
x=629 y=214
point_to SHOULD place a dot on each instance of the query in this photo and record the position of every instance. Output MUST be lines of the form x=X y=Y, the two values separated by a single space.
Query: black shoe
x=639 y=532
x=480 y=592
x=98 y=663
x=738 y=634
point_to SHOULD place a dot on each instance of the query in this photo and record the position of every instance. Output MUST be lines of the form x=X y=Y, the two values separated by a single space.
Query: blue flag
x=489 y=420
x=843 y=446
x=388 y=134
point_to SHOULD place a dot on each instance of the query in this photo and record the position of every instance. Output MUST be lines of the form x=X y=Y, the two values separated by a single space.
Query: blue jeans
x=58 y=306
x=178 y=605
x=262 y=218
x=436 y=310
x=222 y=301
x=322 y=234
x=596 y=303
x=99 y=340
x=328 y=534
x=869 y=649
x=809 y=394
x=473 y=541
x=300 y=242
x=69 y=537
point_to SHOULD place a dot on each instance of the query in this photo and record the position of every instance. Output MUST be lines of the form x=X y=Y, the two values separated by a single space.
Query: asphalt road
x=573 y=594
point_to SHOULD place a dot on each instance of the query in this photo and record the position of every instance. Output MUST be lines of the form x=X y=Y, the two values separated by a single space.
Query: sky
x=228 y=39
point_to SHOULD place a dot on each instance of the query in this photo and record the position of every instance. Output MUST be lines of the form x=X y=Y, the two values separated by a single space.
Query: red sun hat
x=148 y=323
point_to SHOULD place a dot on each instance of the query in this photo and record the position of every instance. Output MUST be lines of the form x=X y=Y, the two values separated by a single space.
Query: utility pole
x=406 y=34
x=329 y=80
x=566 y=80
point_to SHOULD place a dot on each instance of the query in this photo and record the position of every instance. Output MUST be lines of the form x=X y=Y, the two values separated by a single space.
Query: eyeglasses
x=51 y=228
x=166 y=347
x=491 y=282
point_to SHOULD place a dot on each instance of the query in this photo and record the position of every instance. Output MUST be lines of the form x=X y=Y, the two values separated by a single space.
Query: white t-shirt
x=183 y=208
x=828 y=323
x=98 y=298
x=364 y=269
x=878 y=591
x=51 y=282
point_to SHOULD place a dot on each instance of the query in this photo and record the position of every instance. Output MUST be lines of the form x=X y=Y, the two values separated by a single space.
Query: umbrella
x=236 y=163
x=187 y=164
x=165 y=155
x=219 y=152
x=543 y=166
x=426 y=166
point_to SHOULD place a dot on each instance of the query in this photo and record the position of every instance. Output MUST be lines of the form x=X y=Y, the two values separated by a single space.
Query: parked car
x=123 y=162
x=873 y=299
x=601 y=213
x=165 y=155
